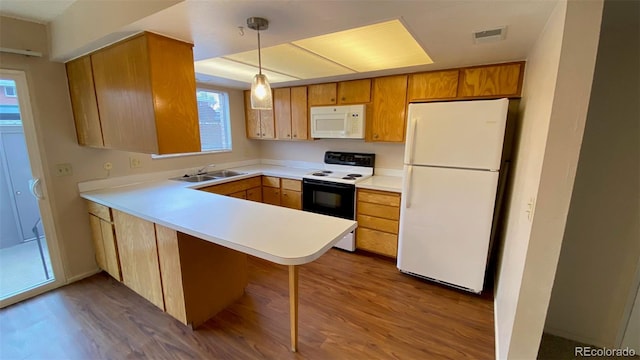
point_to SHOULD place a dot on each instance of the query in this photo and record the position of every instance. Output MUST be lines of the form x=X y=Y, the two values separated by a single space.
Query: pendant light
x=260 y=88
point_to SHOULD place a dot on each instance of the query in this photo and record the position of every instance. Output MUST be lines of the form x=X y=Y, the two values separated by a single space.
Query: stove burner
x=348 y=178
x=354 y=175
x=320 y=174
x=327 y=171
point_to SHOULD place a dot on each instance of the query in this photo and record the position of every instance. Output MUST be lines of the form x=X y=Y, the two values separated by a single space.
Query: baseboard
x=83 y=275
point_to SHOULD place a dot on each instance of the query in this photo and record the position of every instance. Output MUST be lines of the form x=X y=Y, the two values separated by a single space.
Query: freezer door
x=445 y=224
x=465 y=134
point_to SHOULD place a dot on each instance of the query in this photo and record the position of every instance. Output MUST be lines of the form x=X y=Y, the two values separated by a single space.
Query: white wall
x=388 y=155
x=553 y=110
x=601 y=247
x=54 y=122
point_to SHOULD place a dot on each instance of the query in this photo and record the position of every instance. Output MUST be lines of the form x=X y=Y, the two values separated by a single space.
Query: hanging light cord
x=259 y=55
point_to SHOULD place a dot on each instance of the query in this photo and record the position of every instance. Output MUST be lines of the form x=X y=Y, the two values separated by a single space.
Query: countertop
x=382 y=182
x=281 y=235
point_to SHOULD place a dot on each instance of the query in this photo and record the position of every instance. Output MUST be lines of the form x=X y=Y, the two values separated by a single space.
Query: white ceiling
x=41 y=11
x=443 y=27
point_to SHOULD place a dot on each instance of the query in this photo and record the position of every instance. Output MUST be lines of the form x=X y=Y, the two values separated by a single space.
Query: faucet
x=202 y=169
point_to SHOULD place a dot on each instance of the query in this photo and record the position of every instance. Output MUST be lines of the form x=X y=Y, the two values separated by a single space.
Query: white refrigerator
x=451 y=167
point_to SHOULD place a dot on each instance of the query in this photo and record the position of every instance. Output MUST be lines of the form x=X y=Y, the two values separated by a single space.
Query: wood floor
x=352 y=306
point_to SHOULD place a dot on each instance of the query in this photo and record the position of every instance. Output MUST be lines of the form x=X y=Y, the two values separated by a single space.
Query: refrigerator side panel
x=464 y=134
x=445 y=224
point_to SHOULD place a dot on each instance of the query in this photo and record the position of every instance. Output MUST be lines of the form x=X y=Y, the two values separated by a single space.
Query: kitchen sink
x=220 y=174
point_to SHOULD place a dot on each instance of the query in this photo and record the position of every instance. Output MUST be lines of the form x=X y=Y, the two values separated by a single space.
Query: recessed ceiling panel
x=292 y=60
x=386 y=45
x=229 y=69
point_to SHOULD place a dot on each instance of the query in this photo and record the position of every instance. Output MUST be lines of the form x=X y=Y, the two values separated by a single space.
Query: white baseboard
x=82 y=276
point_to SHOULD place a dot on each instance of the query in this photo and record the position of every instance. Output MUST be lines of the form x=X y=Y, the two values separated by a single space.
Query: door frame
x=37 y=172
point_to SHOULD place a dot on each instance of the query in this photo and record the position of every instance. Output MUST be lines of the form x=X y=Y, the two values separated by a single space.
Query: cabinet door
x=239 y=195
x=282 y=113
x=125 y=102
x=291 y=199
x=98 y=244
x=389 y=106
x=491 y=81
x=84 y=103
x=377 y=242
x=271 y=195
x=322 y=94
x=255 y=194
x=434 y=85
x=252 y=118
x=111 y=257
x=299 y=113
x=139 y=256
x=354 y=92
x=267 y=125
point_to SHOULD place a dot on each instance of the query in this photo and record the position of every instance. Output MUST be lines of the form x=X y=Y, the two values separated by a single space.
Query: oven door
x=328 y=198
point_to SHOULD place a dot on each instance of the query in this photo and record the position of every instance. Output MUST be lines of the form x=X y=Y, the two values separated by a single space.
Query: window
x=215 y=127
x=10 y=91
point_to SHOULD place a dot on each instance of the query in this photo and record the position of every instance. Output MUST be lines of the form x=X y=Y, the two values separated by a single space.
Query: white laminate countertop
x=382 y=182
x=281 y=235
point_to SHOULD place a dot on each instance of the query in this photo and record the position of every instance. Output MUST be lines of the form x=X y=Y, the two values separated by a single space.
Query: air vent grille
x=491 y=35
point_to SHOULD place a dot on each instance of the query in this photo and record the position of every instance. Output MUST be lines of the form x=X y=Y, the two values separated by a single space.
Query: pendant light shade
x=261 y=98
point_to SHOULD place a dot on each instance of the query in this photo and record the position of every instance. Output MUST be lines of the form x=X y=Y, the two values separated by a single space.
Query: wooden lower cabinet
x=271 y=195
x=378 y=215
x=255 y=194
x=104 y=240
x=291 y=193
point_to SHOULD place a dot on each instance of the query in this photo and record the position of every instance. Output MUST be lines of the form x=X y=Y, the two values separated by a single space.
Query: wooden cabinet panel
x=299 y=113
x=388 y=122
x=322 y=94
x=377 y=242
x=354 y=91
x=371 y=222
x=240 y=195
x=271 y=195
x=84 y=103
x=98 y=243
x=267 y=125
x=291 y=199
x=170 y=270
x=139 y=256
x=434 y=85
x=383 y=211
x=379 y=197
x=282 y=113
x=271 y=181
x=252 y=118
x=99 y=210
x=255 y=194
x=290 y=184
x=233 y=187
x=491 y=81
x=112 y=259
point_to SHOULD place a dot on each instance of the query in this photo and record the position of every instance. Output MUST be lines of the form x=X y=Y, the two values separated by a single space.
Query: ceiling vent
x=487 y=36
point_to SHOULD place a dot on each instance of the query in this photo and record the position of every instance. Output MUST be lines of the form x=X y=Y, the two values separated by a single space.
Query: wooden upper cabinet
x=354 y=92
x=436 y=85
x=143 y=106
x=387 y=121
x=491 y=81
x=259 y=123
x=322 y=94
x=84 y=103
x=291 y=113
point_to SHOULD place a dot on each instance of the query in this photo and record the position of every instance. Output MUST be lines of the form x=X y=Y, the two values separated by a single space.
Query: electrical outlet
x=108 y=166
x=135 y=163
x=64 y=169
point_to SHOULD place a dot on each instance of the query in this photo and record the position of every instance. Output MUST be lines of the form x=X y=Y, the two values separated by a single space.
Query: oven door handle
x=333 y=185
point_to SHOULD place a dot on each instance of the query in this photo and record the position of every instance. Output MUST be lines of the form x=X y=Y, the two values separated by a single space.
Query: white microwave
x=338 y=122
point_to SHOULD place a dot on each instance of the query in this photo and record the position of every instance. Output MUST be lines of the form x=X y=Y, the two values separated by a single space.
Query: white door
x=29 y=258
x=464 y=134
x=445 y=224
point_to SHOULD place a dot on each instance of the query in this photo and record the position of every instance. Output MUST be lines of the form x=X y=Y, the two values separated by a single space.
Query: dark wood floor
x=352 y=306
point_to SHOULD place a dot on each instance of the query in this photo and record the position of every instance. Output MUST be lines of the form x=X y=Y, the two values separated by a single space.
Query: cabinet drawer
x=379 y=197
x=371 y=222
x=295 y=185
x=233 y=187
x=377 y=242
x=383 y=211
x=271 y=181
x=101 y=211
x=291 y=199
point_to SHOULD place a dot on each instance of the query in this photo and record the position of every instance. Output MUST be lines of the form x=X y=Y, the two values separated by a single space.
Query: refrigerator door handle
x=407 y=186
x=411 y=140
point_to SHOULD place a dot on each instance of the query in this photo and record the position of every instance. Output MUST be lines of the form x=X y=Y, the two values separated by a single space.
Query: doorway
x=26 y=240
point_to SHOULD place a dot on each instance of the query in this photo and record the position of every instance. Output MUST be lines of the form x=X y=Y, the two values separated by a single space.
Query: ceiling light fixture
x=260 y=88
